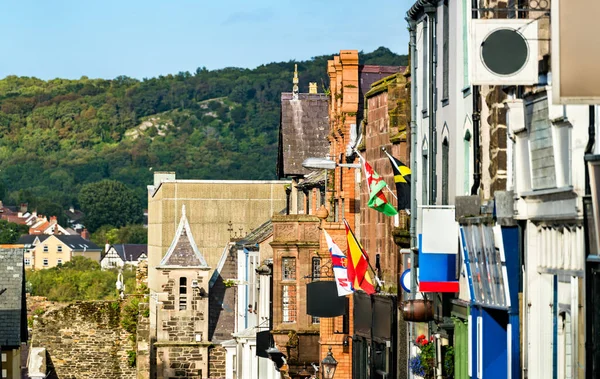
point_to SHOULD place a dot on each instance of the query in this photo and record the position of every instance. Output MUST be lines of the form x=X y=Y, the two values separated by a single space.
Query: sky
x=145 y=38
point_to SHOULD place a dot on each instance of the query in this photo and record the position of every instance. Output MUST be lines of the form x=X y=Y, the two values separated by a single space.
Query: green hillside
x=59 y=134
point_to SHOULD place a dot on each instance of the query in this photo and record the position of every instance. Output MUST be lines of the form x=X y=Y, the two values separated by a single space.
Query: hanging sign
x=405 y=280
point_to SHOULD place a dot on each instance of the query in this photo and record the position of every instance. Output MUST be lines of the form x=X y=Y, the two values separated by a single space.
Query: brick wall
x=84 y=340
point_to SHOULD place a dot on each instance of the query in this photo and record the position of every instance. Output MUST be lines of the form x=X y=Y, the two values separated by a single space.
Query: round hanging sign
x=405 y=280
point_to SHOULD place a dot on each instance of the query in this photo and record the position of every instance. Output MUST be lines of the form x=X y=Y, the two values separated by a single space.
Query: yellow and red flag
x=358 y=267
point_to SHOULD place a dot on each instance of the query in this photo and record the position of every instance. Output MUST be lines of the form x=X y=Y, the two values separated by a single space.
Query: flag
x=377 y=199
x=340 y=267
x=402 y=180
x=358 y=269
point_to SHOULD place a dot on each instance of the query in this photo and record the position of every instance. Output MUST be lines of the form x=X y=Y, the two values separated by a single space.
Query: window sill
x=466 y=91
x=425 y=113
x=445 y=102
x=548 y=191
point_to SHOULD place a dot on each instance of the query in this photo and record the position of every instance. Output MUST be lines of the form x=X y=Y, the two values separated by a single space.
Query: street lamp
x=329 y=364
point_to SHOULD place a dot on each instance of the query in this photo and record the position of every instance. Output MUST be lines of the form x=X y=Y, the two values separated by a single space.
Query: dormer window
x=182 y=294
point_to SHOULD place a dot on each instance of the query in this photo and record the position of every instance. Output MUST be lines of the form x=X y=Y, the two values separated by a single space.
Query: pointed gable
x=183 y=251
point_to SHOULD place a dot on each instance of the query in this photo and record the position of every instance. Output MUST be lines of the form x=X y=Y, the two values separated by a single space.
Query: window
x=316 y=267
x=59 y=261
x=446 y=53
x=288 y=268
x=466 y=41
x=424 y=184
x=445 y=171
x=182 y=294
x=27 y=262
x=45 y=248
x=467 y=162
x=45 y=262
x=288 y=303
x=541 y=147
x=425 y=66
x=315 y=320
x=59 y=248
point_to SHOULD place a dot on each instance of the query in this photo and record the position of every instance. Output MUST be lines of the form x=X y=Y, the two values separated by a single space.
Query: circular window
x=504 y=52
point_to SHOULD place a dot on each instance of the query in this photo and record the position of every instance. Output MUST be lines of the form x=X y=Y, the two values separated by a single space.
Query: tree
x=10 y=232
x=135 y=234
x=109 y=202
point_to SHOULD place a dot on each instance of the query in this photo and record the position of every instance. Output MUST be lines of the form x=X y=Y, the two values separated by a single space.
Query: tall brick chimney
x=85 y=234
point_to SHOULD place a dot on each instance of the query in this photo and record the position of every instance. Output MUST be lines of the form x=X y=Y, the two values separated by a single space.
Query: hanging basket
x=417 y=310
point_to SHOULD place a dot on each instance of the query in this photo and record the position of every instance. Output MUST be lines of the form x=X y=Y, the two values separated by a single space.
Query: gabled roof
x=75 y=215
x=13 y=327
x=29 y=239
x=183 y=251
x=131 y=252
x=77 y=243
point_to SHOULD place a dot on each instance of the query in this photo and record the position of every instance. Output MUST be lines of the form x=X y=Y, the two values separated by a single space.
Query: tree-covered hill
x=57 y=135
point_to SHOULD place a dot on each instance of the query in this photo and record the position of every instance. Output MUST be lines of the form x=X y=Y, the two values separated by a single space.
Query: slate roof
x=13 y=321
x=27 y=239
x=258 y=235
x=131 y=252
x=303 y=132
x=314 y=179
x=77 y=243
x=183 y=251
x=76 y=215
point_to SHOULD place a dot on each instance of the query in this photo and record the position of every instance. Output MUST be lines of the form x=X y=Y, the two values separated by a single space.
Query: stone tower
x=181 y=346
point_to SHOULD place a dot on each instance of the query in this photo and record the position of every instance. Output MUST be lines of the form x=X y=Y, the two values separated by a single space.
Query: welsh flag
x=377 y=199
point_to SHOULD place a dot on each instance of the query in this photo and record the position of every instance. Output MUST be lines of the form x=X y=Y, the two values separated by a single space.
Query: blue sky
x=108 y=38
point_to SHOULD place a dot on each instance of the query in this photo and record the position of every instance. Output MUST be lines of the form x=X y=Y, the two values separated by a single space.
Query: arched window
x=182 y=294
x=445 y=170
x=467 y=162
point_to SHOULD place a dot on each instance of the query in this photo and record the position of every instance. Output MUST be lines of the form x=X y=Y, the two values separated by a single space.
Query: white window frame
x=45 y=248
x=45 y=262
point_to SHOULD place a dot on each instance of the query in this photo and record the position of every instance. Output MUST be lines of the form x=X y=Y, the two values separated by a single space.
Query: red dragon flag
x=340 y=267
x=377 y=199
x=358 y=269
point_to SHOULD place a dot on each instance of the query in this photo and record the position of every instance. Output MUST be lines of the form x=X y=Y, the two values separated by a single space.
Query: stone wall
x=84 y=340
x=216 y=359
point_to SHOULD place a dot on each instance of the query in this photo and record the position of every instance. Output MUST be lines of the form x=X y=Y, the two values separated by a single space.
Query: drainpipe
x=476 y=118
x=414 y=168
x=413 y=152
x=590 y=371
x=246 y=253
x=432 y=95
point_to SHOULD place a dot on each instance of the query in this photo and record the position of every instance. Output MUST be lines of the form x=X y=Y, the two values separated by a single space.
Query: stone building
x=190 y=222
x=13 y=310
x=349 y=83
x=182 y=308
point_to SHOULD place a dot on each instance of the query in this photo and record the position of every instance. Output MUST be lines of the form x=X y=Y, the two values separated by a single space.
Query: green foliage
x=56 y=136
x=109 y=202
x=78 y=279
x=131 y=357
x=10 y=232
x=424 y=363
x=134 y=234
x=448 y=368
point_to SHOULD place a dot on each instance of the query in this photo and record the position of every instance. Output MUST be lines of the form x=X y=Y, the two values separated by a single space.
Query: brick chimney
x=23 y=207
x=53 y=220
x=312 y=87
x=85 y=234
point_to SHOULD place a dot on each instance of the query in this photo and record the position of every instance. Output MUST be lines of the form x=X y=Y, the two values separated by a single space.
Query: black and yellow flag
x=402 y=180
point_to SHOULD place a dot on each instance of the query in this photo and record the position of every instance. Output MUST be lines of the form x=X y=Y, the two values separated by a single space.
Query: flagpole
x=386 y=185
